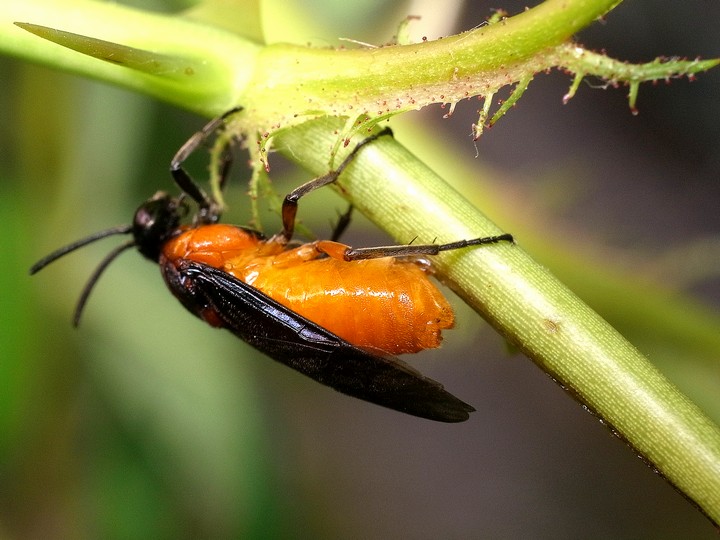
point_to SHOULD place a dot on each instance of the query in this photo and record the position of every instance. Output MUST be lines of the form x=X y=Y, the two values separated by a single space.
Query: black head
x=155 y=222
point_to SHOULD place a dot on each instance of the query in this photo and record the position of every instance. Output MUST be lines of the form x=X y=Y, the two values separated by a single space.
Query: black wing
x=308 y=348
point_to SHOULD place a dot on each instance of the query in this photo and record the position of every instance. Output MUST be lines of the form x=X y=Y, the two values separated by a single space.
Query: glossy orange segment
x=384 y=304
x=211 y=244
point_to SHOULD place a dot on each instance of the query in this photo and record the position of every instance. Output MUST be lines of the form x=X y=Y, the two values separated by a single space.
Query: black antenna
x=55 y=255
x=110 y=257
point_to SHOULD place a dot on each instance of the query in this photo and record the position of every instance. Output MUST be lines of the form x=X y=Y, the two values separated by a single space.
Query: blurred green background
x=146 y=423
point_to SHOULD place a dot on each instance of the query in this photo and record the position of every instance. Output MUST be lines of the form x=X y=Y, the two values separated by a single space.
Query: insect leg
x=347 y=253
x=289 y=206
x=226 y=160
x=180 y=175
x=342 y=224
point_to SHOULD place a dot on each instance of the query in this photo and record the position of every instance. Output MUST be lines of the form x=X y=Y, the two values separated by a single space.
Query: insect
x=332 y=312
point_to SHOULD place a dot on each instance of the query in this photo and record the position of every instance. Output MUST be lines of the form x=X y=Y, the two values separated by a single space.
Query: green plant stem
x=533 y=310
x=386 y=80
x=280 y=85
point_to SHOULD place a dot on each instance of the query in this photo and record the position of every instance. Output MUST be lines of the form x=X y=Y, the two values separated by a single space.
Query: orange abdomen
x=379 y=303
x=384 y=304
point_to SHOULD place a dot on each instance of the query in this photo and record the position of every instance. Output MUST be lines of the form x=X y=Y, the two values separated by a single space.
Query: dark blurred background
x=146 y=423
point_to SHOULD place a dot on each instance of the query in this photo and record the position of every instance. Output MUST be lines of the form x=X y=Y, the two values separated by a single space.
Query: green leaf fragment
x=140 y=60
x=632 y=96
x=583 y=62
x=482 y=118
x=573 y=87
x=403 y=31
x=516 y=94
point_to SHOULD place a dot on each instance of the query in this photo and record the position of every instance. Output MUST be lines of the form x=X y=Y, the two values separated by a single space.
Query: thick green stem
x=532 y=309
